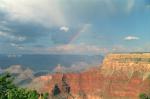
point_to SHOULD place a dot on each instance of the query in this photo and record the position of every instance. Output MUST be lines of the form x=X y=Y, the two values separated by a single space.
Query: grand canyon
x=120 y=76
x=74 y=49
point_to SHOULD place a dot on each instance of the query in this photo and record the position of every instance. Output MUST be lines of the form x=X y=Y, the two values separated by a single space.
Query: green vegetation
x=144 y=96
x=8 y=90
x=56 y=91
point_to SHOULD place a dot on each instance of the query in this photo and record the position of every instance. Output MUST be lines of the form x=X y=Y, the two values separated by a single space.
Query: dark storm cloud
x=30 y=31
x=2 y=15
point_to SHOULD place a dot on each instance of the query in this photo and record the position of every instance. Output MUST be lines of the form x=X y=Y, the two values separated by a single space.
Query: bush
x=143 y=96
x=8 y=90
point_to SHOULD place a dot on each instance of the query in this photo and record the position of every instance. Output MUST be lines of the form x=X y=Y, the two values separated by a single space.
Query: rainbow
x=76 y=35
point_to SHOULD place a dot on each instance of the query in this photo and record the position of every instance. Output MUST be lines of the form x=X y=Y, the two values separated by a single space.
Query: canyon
x=120 y=76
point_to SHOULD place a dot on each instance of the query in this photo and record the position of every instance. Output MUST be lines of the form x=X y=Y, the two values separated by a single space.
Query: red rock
x=119 y=76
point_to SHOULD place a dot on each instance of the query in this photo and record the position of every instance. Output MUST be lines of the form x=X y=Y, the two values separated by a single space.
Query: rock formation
x=121 y=76
x=127 y=63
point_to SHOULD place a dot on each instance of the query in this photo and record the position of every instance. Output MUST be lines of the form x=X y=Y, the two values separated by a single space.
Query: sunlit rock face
x=121 y=76
x=127 y=63
x=39 y=82
x=127 y=73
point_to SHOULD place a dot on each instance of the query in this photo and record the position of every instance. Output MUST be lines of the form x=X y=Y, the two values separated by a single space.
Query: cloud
x=12 y=37
x=130 y=5
x=86 y=27
x=54 y=13
x=18 y=32
x=147 y=3
x=46 y=12
x=126 y=5
x=66 y=49
x=64 y=28
x=131 y=38
x=13 y=44
x=77 y=49
x=16 y=46
x=40 y=22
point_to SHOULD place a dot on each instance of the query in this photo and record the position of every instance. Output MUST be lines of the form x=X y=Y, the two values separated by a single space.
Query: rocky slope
x=121 y=76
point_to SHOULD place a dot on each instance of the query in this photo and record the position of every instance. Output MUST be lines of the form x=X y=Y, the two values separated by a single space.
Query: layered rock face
x=128 y=73
x=127 y=63
x=86 y=85
x=121 y=76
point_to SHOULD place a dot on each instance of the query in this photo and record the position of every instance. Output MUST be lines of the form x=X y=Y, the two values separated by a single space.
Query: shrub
x=8 y=90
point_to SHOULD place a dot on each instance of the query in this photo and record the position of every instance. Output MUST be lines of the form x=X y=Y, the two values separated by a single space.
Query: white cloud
x=16 y=46
x=64 y=28
x=3 y=34
x=51 y=12
x=21 y=38
x=2 y=27
x=46 y=12
x=12 y=37
x=131 y=38
x=13 y=44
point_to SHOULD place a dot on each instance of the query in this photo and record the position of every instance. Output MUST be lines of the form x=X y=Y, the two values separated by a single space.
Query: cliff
x=127 y=63
x=121 y=76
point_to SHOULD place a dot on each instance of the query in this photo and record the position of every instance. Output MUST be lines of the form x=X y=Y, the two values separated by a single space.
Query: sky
x=74 y=26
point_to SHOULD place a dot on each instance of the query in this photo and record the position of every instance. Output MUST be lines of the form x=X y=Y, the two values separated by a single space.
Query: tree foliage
x=144 y=96
x=56 y=91
x=8 y=90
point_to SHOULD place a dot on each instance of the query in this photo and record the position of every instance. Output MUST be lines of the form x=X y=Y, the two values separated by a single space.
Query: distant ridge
x=128 y=52
x=38 y=62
